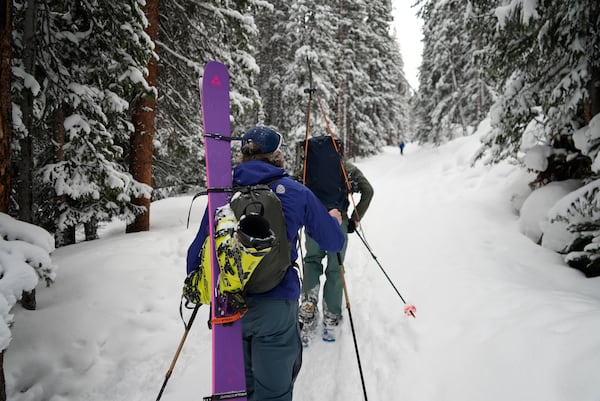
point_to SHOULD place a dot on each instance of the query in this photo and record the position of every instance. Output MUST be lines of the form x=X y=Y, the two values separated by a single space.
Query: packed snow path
x=498 y=317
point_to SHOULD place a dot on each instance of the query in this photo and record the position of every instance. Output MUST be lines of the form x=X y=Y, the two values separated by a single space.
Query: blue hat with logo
x=265 y=139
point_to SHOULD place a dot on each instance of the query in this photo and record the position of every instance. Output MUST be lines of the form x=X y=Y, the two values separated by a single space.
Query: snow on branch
x=24 y=257
x=12 y=229
x=579 y=206
x=28 y=243
x=587 y=139
x=527 y=9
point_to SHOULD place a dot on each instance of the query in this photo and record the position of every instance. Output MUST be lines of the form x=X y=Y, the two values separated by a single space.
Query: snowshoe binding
x=330 y=326
x=308 y=321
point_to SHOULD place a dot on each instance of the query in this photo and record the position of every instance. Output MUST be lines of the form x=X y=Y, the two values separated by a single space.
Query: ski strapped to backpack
x=252 y=250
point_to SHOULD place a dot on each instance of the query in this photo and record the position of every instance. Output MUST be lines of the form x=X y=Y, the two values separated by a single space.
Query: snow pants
x=272 y=348
x=333 y=288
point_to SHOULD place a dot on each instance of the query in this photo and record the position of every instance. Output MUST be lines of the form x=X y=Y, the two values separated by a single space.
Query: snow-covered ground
x=498 y=318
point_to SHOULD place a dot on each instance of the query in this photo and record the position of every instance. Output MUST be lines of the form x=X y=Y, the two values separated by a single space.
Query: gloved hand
x=352 y=225
x=190 y=287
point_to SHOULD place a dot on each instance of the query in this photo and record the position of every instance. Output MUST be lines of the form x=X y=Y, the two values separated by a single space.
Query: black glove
x=190 y=287
x=351 y=226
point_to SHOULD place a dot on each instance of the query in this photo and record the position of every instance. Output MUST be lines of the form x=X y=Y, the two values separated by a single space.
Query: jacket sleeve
x=364 y=188
x=321 y=226
x=193 y=254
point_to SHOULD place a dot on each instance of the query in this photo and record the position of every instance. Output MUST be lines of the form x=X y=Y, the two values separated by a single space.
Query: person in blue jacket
x=271 y=337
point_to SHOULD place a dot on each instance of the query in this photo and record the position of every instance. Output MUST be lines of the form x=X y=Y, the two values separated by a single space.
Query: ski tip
x=214 y=64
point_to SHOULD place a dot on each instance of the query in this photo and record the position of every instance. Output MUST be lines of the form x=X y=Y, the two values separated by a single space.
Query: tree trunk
x=65 y=237
x=91 y=229
x=28 y=300
x=2 y=379
x=144 y=116
x=5 y=105
x=594 y=90
x=5 y=130
x=24 y=165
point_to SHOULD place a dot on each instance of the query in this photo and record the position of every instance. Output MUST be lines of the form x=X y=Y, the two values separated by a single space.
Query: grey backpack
x=261 y=224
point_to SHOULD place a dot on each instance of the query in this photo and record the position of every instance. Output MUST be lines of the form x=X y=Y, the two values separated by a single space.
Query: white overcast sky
x=408 y=28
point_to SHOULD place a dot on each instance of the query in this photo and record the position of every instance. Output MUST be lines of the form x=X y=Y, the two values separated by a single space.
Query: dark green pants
x=272 y=348
x=333 y=289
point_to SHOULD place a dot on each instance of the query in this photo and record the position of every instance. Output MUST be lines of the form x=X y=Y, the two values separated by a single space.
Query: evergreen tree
x=354 y=63
x=547 y=59
x=454 y=94
x=5 y=112
x=546 y=55
x=357 y=128
x=389 y=104
x=191 y=34
x=273 y=54
x=373 y=92
x=311 y=30
x=66 y=87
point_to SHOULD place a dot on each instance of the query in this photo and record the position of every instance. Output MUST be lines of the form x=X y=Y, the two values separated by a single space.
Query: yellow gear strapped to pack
x=237 y=262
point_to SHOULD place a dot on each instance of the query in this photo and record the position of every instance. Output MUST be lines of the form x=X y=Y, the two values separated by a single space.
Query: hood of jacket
x=257 y=172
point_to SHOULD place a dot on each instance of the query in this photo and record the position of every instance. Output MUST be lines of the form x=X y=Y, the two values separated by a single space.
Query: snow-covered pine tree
x=24 y=251
x=356 y=70
x=454 y=94
x=178 y=121
x=545 y=55
x=273 y=54
x=385 y=68
x=71 y=103
x=479 y=90
x=357 y=127
x=311 y=30
x=191 y=34
x=579 y=211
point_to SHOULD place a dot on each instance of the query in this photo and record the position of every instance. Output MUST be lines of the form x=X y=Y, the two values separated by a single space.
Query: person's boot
x=331 y=325
x=308 y=320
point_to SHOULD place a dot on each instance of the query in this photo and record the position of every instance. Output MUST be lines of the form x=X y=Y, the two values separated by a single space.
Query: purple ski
x=228 y=377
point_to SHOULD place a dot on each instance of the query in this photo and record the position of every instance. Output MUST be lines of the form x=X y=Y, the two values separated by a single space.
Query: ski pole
x=362 y=379
x=188 y=326
x=410 y=310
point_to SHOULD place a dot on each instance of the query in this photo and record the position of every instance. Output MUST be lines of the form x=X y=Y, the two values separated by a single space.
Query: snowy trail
x=498 y=317
x=482 y=308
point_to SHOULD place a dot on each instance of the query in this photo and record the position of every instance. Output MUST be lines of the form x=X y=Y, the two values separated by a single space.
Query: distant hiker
x=331 y=188
x=271 y=338
x=401 y=145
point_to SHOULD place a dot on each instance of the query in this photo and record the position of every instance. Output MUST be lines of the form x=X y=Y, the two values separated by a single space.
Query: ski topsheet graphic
x=228 y=377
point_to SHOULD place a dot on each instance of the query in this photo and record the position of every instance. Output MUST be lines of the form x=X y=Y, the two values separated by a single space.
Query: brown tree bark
x=5 y=103
x=144 y=117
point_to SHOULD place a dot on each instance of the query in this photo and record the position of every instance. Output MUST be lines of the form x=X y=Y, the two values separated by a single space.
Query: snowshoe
x=330 y=327
x=308 y=321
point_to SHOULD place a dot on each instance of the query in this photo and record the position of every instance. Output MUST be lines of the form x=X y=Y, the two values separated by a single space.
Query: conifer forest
x=100 y=111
